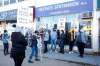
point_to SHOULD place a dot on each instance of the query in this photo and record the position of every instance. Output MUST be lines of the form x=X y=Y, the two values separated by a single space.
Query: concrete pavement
x=87 y=60
x=7 y=61
x=52 y=56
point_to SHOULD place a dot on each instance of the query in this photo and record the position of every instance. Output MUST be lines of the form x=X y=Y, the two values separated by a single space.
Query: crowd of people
x=48 y=39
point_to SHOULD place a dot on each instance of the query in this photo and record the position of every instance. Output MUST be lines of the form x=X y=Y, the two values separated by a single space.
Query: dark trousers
x=45 y=46
x=18 y=58
x=62 y=47
x=18 y=61
x=6 y=47
x=71 y=46
x=81 y=47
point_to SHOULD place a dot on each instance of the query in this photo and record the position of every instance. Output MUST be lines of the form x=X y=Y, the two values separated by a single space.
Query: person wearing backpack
x=5 y=39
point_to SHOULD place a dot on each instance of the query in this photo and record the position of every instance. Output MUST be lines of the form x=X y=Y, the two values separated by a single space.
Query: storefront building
x=7 y=18
x=98 y=20
x=67 y=16
x=13 y=12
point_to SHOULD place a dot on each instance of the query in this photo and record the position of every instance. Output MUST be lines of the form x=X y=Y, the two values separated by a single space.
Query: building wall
x=39 y=3
x=95 y=26
x=12 y=6
x=17 y=5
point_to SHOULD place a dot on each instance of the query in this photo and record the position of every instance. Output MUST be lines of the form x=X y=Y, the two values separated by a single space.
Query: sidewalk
x=87 y=59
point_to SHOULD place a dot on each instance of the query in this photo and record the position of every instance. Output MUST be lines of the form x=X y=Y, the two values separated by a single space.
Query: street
x=7 y=61
x=52 y=59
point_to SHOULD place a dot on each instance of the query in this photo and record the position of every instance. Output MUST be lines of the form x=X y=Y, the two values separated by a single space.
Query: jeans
x=53 y=44
x=34 y=52
x=6 y=47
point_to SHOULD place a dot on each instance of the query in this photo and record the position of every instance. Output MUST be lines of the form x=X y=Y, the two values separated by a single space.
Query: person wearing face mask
x=5 y=39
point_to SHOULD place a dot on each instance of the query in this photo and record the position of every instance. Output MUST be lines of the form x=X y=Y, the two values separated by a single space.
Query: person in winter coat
x=58 y=37
x=19 y=44
x=72 y=39
x=62 y=42
x=81 y=41
x=34 y=48
x=5 y=39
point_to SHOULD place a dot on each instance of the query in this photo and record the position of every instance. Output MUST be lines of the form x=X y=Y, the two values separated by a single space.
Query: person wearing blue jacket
x=5 y=39
x=53 y=39
x=81 y=41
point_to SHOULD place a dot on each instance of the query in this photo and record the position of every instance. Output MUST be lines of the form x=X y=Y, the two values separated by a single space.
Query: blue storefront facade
x=77 y=6
x=70 y=14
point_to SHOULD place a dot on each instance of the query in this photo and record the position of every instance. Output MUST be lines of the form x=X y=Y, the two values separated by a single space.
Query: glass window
x=6 y=2
x=12 y=1
x=0 y=2
x=20 y=0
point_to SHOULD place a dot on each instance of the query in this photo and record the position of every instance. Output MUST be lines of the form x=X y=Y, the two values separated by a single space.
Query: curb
x=85 y=64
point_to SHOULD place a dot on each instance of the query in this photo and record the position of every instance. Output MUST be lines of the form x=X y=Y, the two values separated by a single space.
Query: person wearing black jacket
x=58 y=39
x=19 y=44
x=62 y=42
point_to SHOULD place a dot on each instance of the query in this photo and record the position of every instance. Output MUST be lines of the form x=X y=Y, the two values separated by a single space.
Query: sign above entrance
x=8 y=15
x=76 y=6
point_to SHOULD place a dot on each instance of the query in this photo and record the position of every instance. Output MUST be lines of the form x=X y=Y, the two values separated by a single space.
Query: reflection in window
x=6 y=2
x=12 y=1
x=20 y=0
x=0 y=2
